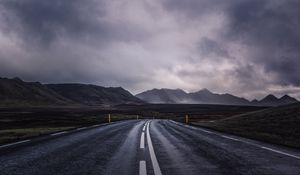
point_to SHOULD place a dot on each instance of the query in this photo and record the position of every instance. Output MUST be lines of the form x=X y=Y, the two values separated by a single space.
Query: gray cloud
x=241 y=47
x=212 y=48
x=271 y=30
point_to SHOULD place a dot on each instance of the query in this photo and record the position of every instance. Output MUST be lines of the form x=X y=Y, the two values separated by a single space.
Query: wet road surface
x=147 y=147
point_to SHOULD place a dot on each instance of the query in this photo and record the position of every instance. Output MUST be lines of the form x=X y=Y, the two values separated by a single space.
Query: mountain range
x=16 y=92
x=204 y=96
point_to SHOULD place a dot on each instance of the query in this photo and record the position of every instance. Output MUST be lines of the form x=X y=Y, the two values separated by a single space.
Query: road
x=146 y=147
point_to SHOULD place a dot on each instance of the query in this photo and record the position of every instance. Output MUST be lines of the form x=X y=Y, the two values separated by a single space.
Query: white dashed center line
x=155 y=164
x=143 y=170
x=142 y=143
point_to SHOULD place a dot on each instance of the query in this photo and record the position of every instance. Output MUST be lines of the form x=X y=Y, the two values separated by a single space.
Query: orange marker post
x=186 y=119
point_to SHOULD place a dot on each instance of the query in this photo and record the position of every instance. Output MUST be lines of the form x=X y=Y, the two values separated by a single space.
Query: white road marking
x=247 y=142
x=81 y=128
x=95 y=125
x=144 y=127
x=59 y=133
x=155 y=164
x=142 y=143
x=231 y=138
x=280 y=152
x=16 y=143
x=143 y=170
x=148 y=123
x=206 y=131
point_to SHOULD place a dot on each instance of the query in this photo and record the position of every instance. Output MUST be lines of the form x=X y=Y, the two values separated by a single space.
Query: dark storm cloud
x=269 y=28
x=273 y=29
x=195 y=8
x=64 y=41
x=214 y=48
x=221 y=45
x=45 y=21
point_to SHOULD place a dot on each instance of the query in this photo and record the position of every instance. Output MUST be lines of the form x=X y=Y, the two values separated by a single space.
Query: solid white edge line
x=142 y=143
x=227 y=137
x=143 y=169
x=81 y=128
x=280 y=152
x=59 y=133
x=249 y=143
x=144 y=127
x=155 y=164
x=16 y=143
x=206 y=131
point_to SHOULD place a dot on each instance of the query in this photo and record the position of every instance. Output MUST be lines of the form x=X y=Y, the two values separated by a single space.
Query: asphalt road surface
x=146 y=147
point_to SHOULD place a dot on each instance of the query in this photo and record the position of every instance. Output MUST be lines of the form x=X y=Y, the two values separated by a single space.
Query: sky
x=248 y=48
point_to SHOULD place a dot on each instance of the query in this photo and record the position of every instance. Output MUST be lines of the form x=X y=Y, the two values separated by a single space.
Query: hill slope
x=205 y=96
x=278 y=125
x=170 y=96
x=17 y=92
x=94 y=95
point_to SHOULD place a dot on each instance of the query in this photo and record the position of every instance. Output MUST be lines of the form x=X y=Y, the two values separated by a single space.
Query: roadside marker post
x=109 y=118
x=137 y=117
x=186 y=119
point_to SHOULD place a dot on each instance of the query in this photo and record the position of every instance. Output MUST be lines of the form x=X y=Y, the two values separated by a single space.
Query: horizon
x=162 y=88
x=140 y=45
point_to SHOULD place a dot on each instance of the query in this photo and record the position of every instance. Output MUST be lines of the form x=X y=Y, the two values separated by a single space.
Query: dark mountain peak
x=270 y=100
x=286 y=99
x=17 y=79
x=270 y=97
x=163 y=95
x=204 y=91
x=285 y=96
x=254 y=101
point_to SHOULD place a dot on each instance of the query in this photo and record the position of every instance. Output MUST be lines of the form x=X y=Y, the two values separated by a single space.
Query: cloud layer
x=248 y=48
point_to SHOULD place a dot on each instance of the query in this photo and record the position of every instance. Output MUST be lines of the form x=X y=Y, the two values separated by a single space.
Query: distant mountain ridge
x=204 y=96
x=15 y=92
x=271 y=100
x=94 y=95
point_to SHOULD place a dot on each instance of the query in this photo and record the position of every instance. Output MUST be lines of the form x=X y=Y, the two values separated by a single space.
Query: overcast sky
x=245 y=47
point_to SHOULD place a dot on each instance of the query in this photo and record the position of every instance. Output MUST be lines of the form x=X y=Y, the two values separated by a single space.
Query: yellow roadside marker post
x=186 y=119
x=109 y=118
